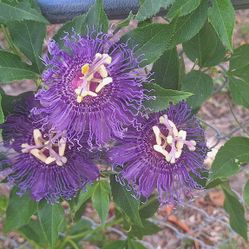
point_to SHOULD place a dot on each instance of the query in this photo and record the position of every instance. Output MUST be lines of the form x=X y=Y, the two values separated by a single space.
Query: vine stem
x=8 y=38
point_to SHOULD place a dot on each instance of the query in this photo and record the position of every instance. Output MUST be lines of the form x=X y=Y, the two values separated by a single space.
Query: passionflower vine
x=43 y=163
x=93 y=87
x=166 y=153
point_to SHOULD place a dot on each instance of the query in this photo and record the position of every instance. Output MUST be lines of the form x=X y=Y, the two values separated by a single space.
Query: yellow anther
x=104 y=82
x=37 y=137
x=98 y=56
x=182 y=134
x=168 y=157
x=169 y=139
x=108 y=59
x=85 y=69
x=102 y=71
x=157 y=133
x=79 y=99
x=62 y=146
x=43 y=147
x=159 y=149
x=161 y=119
x=173 y=126
x=179 y=145
x=178 y=153
x=38 y=154
x=49 y=160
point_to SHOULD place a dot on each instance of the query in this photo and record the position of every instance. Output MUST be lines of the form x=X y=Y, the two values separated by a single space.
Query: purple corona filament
x=92 y=87
x=44 y=164
x=166 y=153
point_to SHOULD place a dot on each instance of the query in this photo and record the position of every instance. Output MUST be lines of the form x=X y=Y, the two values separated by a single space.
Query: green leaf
x=3 y=201
x=246 y=193
x=222 y=17
x=150 y=41
x=182 y=8
x=118 y=244
x=51 y=218
x=148 y=228
x=133 y=244
x=77 y=203
x=183 y=28
x=149 y=208
x=200 y=84
x=236 y=212
x=229 y=157
x=163 y=97
x=11 y=68
x=28 y=36
x=11 y=11
x=82 y=225
x=97 y=18
x=150 y=8
x=239 y=89
x=77 y=24
x=205 y=47
x=100 y=199
x=1 y=110
x=239 y=63
x=19 y=210
x=33 y=231
x=9 y=102
x=126 y=21
x=126 y=201
x=166 y=70
x=153 y=39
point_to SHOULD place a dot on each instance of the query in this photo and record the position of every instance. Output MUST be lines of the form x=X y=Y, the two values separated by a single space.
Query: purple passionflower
x=44 y=163
x=92 y=86
x=166 y=153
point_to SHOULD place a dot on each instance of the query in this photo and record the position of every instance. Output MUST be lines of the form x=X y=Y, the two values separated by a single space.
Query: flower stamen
x=44 y=150
x=175 y=140
x=88 y=71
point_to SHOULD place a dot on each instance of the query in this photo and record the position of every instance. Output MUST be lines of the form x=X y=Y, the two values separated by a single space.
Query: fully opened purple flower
x=44 y=163
x=92 y=86
x=165 y=153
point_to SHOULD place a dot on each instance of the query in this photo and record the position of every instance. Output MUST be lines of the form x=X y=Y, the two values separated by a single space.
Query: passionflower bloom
x=166 y=153
x=43 y=163
x=93 y=87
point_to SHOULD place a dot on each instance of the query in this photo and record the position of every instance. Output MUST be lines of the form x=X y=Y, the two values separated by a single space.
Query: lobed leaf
x=118 y=244
x=18 y=11
x=149 y=8
x=51 y=218
x=236 y=212
x=246 y=193
x=152 y=40
x=163 y=97
x=229 y=157
x=200 y=84
x=222 y=17
x=182 y=7
x=126 y=201
x=19 y=210
x=100 y=199
x=12 y=68
x=205 y=47
x=166 y=70
x=28 y=36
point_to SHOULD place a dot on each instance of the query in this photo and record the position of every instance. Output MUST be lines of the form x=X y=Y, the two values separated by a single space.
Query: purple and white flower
x=43 y=163
x=166 y=154
x=92 y=86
